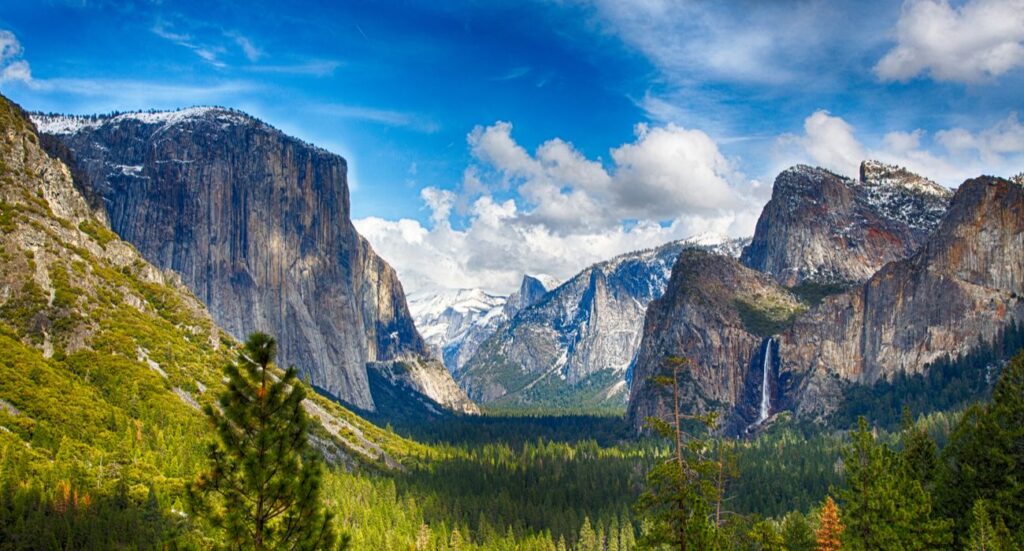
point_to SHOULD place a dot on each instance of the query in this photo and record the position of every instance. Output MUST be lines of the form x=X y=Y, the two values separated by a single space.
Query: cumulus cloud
x=949 y=156
x=978 y=40
x=560 y=211
x=12 y=68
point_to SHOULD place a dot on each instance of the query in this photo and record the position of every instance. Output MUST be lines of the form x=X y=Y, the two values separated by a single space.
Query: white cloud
x=828 y=141
x=565 y=212
x=950 y=157
x=12 y=69
x=973 y=42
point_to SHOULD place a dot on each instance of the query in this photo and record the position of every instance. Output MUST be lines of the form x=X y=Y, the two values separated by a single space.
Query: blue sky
x=496 y=138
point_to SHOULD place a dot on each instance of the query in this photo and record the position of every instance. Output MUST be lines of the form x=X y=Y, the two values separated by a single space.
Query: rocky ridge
x=824 y=228
x=965 y=282
x=455 y=323
x=575 y=346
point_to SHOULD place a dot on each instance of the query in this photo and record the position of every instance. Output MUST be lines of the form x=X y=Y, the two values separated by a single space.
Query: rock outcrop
x=575 y=346
x=717 y=313
x=824 y=228
x=964 y=285
x=257 y=225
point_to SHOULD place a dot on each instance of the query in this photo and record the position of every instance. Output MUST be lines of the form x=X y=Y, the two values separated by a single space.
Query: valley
x=350 y=309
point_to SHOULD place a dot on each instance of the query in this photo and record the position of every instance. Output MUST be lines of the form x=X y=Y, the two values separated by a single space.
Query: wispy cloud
x=512 y=74
x=386 y=117
x=318 y=68
x=207 y=53
x=252 y=53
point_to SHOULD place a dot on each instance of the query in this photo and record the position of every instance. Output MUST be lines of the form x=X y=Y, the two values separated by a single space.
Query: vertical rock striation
x=258 y=226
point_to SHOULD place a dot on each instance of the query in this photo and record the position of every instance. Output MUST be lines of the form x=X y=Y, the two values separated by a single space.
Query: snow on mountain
x=575 y=345
x=454 y=323
x=72 y=124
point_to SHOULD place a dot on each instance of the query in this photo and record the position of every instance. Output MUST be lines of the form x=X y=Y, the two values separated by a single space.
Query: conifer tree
x=830 y=528
x=885 y=508
x=796 y=533
x=263 y=487
x=983 y=534
x=588 y=538
x=682 y=492
x=765 y=536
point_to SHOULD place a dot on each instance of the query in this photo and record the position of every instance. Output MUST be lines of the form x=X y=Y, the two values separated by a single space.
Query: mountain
x=107 y=359
x=963 y=286
x=715 y=312
x=454 y=323
x=823 y=228
x=258 y=226
x=757 y=352
x=574 y=347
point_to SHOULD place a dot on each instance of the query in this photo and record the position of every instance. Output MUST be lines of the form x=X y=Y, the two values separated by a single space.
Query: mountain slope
x=575 y=346
x=106 y=361
x=963 y=286
x=824 y=228
x=257 y=225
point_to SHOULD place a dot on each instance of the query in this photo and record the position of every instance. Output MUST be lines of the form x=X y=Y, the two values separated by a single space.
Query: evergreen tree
x=830 y=529
x=983 y=534
x=766 y=537
x=920 y=456
x=796 y=533
x=884 y=507
x=263 y=487
x=681 y=491
x=587 y=540
x=985 y=457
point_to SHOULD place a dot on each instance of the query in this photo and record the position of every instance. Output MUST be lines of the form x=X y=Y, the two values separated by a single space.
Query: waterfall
x=766 y=395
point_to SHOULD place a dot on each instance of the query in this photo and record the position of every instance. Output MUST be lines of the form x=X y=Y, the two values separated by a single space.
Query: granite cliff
x=757 y=351
x=824 y=228
x=257 y=224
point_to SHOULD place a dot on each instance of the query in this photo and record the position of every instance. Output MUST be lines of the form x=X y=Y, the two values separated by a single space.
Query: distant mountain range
x=574 y=346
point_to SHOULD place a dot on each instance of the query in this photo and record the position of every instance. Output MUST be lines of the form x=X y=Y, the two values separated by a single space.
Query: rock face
x=575 y=346
x=715 y=312
x=824 y=228
x=455 y=323
x=257 y=225
x=965 y=284
x=751 y=343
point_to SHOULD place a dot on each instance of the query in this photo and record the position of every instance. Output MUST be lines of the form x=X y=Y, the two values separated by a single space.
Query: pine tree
x=796 y=533
x=455 y=541
x=263 y=487
x=588 y=538
x=679 y=502
x=983 y=535
x=885 y=507
x=830 y=529
x=766 y=537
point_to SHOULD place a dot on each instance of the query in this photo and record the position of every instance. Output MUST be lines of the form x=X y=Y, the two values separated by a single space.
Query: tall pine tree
x=263 y=487
x=679 y=502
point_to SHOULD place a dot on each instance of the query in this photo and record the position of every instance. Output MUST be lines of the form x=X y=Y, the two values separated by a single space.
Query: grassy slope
x=104 y=361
